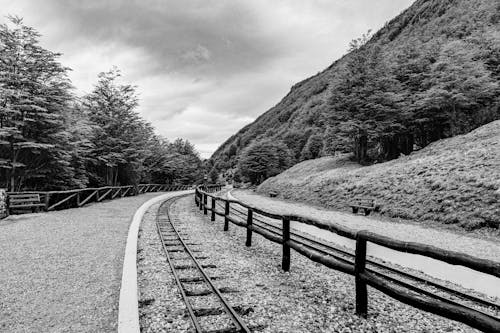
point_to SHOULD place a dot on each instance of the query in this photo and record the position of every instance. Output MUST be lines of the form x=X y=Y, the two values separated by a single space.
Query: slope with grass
x=452 y=181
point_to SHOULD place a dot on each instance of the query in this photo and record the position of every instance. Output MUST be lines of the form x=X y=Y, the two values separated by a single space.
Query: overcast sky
x=206 y=68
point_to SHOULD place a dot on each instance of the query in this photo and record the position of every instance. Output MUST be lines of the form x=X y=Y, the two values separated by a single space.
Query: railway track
x=198 y=283
x=397 y=276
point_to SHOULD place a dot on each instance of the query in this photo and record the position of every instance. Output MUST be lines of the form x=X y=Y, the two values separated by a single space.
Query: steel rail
x=236 y=320
x=174 y=272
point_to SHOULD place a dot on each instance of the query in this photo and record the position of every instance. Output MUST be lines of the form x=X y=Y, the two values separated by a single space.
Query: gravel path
x=455 y=276
x=61 y=271
x=309 y=298
x=483 y=248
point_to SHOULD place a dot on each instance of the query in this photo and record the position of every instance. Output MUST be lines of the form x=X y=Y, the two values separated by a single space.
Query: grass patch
x=454 y=181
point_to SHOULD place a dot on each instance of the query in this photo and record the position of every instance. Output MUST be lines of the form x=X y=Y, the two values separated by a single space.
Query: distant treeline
x=432 y=72
x=52 y=139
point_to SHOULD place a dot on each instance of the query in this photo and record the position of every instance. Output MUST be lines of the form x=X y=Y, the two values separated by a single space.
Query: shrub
x=313 y=147
x=263 y=159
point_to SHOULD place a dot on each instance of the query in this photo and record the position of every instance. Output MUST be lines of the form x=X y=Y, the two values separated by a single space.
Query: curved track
x=176 y=250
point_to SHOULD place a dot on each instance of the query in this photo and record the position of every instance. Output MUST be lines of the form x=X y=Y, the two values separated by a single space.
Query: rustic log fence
x=55 y=200
x=278 y=231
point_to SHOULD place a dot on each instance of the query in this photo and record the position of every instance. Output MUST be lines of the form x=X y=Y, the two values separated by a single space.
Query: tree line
x=51 y=139
x=432 y=72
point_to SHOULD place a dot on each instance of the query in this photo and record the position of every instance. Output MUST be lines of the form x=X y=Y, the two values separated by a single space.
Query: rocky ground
x=309 y=298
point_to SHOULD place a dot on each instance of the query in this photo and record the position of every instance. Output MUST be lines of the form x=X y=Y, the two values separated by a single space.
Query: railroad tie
x=204 y=292
x=225 y=330
x=254 y=328
x=188 y=258
x=170 y=244
x=177 y=250
x=195 y=279
x=193 y=266
x=203 y=312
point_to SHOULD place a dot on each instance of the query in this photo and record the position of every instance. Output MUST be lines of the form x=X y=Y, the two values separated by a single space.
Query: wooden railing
x=393 y=287
x=79 y=197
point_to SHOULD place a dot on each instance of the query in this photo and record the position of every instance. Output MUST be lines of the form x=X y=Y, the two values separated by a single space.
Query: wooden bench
x=367 y=204
x=273 y=194
x=23 y=201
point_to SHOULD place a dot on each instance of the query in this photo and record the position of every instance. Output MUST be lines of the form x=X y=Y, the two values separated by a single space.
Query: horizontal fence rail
x=367 y=272
x=55 y=200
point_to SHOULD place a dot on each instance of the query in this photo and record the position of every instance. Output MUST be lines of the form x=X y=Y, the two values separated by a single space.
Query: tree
x=49 y=140
x=120 y=134
x=169 y=163
x=295 y=140
x=232 y=150
x=263 y=159
x=335 y=140
x=313 y=147
x=357 y=43
x=213 y=175
x=457 y=87
x=34 y=96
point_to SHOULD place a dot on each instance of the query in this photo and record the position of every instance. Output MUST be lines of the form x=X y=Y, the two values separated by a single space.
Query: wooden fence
x=79 y=197
x=363 y=277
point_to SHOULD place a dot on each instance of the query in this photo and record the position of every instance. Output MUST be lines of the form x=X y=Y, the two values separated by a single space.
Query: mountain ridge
x=404 y=88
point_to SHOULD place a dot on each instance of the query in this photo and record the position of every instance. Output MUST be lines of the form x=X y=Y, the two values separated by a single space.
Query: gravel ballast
x=61 y=271
x=309 y=298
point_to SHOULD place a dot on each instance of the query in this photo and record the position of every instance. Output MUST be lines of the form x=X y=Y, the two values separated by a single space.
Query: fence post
x=47 y=199
x=249 y=227
x=4 y=203
x=226 y=219
x=285 y=264
x=200 y=201
x=78 y=199
x=212 y=216
x=205 y=197
x=359 y=267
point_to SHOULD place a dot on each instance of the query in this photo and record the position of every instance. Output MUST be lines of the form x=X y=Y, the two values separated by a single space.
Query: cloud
x=203 y=68
x=199 y=54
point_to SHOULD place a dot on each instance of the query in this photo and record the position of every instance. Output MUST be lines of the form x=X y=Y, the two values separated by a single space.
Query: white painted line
x=128 y=308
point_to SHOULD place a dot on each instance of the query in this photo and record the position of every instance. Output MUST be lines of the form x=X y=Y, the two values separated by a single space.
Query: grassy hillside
x=452 y=181
x=430 y=73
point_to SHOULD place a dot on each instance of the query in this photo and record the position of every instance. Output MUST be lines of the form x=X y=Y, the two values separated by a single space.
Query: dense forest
x=51 y=139
x=432 y=72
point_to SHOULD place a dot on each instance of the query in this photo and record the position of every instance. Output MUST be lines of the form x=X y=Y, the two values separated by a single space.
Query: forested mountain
x=430 y=73
x=50 y=139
